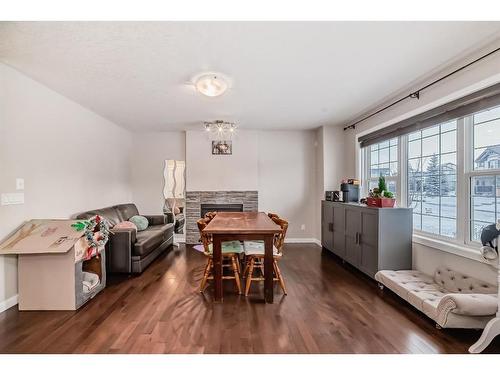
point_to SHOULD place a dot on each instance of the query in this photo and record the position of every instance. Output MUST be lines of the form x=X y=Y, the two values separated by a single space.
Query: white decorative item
x=492 y=329
x=174 y=189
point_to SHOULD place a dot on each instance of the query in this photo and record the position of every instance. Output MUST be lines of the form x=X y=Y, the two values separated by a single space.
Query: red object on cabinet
x=381 y=202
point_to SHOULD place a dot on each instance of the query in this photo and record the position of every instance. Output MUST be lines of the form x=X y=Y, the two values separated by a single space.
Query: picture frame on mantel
x=222 y=147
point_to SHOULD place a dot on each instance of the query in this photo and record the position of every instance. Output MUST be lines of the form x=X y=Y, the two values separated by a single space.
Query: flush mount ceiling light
x=211 y=84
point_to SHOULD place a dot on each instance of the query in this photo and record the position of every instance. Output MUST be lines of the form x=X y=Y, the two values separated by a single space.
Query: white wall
x=207 y=172
x=333 y=158
x=286 y=180
x=320 y=179
x=149 y=152
x=480 y=75
x=330 y=165
x=70 y=158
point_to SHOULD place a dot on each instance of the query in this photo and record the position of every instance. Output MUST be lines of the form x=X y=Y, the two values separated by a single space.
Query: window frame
x=469 y=173
x=458 y=239
x=464 y=173
x=366 y=168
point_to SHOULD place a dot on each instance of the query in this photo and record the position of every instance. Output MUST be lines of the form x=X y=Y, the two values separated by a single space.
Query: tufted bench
x=451 y=299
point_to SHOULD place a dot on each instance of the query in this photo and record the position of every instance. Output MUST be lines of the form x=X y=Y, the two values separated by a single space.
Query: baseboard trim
x=303 y=240
x=317 y=242
x=8 y=303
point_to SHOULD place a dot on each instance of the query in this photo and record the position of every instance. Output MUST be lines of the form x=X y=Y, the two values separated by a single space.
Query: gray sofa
x=129 y=251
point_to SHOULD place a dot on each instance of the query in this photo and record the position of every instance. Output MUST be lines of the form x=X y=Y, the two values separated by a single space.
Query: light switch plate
x=20 y=183
x=12 y=198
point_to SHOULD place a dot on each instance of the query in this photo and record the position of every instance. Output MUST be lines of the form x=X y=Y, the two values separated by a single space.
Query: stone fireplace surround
x=194 y=200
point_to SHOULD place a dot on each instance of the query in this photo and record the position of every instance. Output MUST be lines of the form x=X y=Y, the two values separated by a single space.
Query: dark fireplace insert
x=220 y=208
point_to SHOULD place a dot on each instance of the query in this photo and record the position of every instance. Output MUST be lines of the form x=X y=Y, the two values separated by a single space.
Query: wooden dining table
x=242 y=226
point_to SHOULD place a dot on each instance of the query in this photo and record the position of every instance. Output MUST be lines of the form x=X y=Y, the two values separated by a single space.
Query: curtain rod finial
x=350 y=127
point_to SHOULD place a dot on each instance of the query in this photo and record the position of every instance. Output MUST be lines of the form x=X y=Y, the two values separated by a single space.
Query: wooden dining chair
x=271 y=215
x=210 y=214
x=254 y=255
x=230 y=256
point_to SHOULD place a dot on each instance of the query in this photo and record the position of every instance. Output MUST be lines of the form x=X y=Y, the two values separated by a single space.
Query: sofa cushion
x=430 y=308
x=140 y=222
x=402 y=282
x=166 y=229
x=147 y=240
x=162 y=227
x=456 y=282
x=126 y=211
x=109 y=213
x=156 y=219
x=125 y=225
x=426 y=300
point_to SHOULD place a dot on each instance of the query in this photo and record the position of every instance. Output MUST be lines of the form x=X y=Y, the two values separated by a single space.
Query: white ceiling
x=285 y=75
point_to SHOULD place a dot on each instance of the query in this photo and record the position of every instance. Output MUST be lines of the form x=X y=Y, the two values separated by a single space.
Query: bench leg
x=491 y=330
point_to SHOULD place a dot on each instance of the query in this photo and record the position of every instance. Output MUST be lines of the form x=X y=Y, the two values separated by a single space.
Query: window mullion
x=462 y=165
x=402 y=186
x=366 y=169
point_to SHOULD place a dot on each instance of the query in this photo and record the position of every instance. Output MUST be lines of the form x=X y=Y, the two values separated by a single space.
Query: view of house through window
x=485 y=186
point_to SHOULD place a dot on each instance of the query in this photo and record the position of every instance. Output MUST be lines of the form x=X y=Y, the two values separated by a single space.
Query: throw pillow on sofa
x=140 y=222
x=125 y=225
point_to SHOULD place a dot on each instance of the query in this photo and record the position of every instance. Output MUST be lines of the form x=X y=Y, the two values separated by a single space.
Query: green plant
x=381 y=184
x=381 y=191
x=388 y=194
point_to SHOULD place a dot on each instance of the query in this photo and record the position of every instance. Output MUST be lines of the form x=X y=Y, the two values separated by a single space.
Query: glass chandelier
x=220 y=130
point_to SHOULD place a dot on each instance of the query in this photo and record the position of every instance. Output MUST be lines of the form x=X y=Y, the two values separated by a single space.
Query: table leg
x=217 y=259
x=268 y=269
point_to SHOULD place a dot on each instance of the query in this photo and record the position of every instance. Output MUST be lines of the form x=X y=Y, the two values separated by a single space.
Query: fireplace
x=220 y=208
x=200 y=202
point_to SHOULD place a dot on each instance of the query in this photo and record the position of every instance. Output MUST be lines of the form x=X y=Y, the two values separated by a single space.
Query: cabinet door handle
x=357 y=238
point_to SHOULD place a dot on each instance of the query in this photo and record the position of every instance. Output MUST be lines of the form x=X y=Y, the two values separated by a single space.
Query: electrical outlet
x=19 y=183
x=303 y=227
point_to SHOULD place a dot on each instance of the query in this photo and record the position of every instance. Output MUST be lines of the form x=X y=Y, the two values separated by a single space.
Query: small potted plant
x=380 y=196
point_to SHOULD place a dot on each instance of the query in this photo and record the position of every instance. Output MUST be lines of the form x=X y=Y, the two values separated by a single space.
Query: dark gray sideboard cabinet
x=371 y=239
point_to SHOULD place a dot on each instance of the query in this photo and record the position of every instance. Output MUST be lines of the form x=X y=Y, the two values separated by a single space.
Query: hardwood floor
x=330 y=308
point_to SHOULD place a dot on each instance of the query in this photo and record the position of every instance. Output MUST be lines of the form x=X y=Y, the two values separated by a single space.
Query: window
x=448 y=173
x=485 y=203
x=432 y=179
x=383 y=161
x=487 y=139
x=484 y=183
